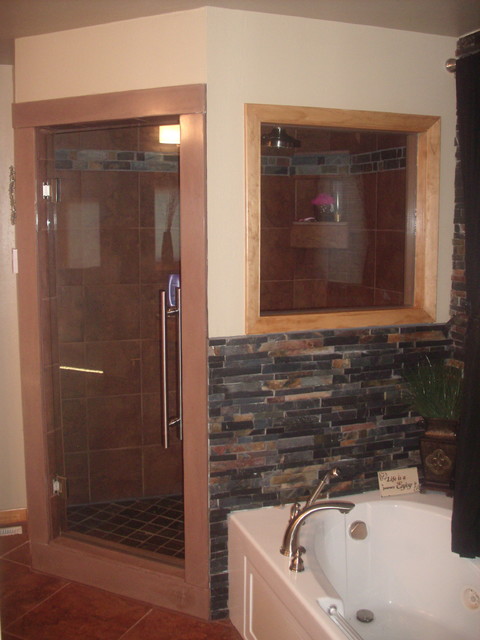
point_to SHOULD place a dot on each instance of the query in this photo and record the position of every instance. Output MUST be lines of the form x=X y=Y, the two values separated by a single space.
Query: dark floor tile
x=134 y=534
x=155 y=530
x=124 y=529
x=21 y=589
x=78 y=612
x=20 y=554
x=119 y=519
x=171 y=513
x=7 y=543
x=134 y=520
x=98 y=533
x=168 y=625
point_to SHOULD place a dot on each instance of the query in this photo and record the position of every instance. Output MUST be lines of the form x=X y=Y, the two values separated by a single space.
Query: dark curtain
x=466 y=506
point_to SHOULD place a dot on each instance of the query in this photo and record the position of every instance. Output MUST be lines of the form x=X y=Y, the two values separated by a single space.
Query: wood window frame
x=427 y=130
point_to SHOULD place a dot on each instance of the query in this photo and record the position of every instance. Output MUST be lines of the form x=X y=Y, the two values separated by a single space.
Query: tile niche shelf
x=319 y=235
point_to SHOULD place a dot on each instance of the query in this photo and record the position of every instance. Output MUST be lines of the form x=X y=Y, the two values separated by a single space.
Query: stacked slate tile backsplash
x=458 y=308
x=284 y=408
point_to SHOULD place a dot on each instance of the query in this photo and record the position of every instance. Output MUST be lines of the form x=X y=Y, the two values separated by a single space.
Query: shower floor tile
x=148 y=524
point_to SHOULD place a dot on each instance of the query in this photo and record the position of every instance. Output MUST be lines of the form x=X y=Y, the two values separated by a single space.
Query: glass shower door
x=115 y=216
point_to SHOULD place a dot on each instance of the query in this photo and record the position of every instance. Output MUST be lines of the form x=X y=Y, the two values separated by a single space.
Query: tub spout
x=333 y=473
x=290 y=539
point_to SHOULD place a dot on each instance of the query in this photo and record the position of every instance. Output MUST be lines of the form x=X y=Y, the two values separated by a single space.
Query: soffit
x=20 y=18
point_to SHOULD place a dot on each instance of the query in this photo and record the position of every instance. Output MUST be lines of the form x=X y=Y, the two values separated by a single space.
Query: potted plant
x=434 y=390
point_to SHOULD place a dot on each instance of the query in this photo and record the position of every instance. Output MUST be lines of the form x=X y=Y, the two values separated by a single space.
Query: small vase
x=438 y=449
x=324 y=212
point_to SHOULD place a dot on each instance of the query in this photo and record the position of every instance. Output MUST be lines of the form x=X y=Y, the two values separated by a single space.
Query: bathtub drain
x=471 y=598
x=365 y=615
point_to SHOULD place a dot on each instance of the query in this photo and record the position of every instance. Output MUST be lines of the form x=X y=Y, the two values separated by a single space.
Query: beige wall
x=158 y=51
x=12 y=465
x=260 y=58
x=252 y=57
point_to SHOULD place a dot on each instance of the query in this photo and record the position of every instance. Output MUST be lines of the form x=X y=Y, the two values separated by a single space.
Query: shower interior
x=110 y=239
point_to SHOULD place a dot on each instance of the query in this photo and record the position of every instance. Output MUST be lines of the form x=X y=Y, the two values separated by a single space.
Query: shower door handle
x=167 y=312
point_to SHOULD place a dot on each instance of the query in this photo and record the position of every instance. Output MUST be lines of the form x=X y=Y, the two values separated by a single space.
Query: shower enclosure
x=112 y=273
x=112 y=221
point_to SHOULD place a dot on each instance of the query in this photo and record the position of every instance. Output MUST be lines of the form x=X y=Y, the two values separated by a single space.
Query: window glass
x=334 y=232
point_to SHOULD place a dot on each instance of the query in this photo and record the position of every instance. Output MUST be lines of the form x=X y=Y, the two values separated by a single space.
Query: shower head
x=278 y=138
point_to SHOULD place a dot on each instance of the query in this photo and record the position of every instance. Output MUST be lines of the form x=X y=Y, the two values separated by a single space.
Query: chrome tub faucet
x=290 y=539
x=299 y=514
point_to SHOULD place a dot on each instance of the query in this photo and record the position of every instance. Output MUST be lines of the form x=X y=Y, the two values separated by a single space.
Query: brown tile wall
x=367 y=273
x=103 y=312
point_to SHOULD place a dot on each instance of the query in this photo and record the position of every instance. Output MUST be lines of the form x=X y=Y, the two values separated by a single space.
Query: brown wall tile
x=390 y=260
x=388 y=298
x=112 y=312
x=276 y=296
x=72 y=354
x=276 y=255
x=165 y=188
x=151 y=428
x=114 y=422
x=118 y=258
x=278 y=201
x=391 y=212
x=121 y=138
x=349 y=295
x=162 y=473
x=152 y=267
x=74 y=420
x=117 y=194
x=310 y=294
x=115 y=474
x=71 y=323
x=120 y=363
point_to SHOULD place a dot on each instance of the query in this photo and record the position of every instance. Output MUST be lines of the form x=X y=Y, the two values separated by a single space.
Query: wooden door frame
x=152 y=581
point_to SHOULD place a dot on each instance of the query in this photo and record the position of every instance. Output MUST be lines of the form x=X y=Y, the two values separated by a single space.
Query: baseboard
x=12 y=516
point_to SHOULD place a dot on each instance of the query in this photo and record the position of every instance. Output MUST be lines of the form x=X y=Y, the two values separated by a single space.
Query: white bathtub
x=403 y=571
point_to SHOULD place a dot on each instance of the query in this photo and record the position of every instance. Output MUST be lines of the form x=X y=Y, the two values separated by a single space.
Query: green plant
x=434 y=389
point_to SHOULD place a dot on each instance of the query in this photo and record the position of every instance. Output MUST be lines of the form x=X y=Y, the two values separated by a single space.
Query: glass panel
x=116 y=242
x=334 y=219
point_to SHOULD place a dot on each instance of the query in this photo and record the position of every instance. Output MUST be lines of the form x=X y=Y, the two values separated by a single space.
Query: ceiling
x=31 y=17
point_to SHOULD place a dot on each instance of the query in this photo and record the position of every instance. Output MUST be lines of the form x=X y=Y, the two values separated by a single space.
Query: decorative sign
x=398 y=481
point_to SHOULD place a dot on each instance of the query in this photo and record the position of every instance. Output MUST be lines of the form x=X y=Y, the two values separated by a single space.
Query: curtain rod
x=451 y=63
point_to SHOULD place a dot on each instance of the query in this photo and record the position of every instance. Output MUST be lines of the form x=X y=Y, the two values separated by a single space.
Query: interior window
x=337 y=218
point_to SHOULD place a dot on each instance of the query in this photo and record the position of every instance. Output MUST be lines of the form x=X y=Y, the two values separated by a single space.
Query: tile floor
x=35 y=606
x=152 y=525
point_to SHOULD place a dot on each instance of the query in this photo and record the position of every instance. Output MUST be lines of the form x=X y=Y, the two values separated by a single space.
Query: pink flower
x=323 y=198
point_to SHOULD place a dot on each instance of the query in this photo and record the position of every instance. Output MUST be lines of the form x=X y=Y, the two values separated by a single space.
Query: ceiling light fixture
x=169 y=134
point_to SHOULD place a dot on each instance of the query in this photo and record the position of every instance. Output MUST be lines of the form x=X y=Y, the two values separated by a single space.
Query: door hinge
x=51 y=190
x=15 y=261
x=59 y=486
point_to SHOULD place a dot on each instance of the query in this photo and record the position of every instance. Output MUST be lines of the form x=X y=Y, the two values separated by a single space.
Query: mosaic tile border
x=335 y=163
x=107 y=160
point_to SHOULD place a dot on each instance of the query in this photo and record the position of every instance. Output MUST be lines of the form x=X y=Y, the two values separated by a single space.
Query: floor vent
x=10 y=531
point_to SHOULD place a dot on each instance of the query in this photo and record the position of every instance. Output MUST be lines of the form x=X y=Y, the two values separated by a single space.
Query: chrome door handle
x=165 y=313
